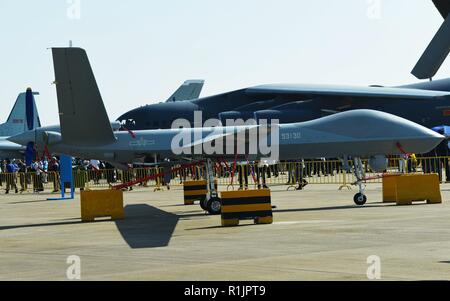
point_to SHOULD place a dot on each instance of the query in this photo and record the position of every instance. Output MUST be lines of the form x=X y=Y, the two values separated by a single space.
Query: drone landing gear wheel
x=360 y=199
x=214 y=206
x=203 y=204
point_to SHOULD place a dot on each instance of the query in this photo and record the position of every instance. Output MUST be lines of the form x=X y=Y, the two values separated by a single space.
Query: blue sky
x=143 y=50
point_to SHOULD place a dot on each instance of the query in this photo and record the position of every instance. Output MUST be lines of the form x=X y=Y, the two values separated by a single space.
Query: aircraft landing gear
x=214 y=206
x=212 y=202
x=203 y=203
x=360 y=198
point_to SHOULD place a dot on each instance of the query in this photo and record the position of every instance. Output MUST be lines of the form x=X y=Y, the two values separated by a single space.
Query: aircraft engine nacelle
x=51 y=138
x=268 y=115
x=286 y=116
x=378 y=163
x=234 y=115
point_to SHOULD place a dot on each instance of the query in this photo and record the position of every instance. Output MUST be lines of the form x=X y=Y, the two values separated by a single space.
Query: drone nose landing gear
x=360 y=198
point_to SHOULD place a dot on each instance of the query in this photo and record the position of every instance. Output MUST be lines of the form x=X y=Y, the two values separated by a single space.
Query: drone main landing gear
x=212 y=202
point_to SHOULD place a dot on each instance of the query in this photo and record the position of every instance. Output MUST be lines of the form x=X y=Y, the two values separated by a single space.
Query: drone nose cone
x=418 y=139
x=380 y=126
x=24 y=138
x=433 y=138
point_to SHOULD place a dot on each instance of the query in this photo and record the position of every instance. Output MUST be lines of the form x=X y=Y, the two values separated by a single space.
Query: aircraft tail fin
x=82 y=114
x=438 y=49
x=23 y=117
x=443 y=6
x=189 y=90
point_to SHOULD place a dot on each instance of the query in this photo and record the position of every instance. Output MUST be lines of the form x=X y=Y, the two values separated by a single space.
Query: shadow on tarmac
x=242 y=224
x=347 y=207
x=175 y=205
x=30 y=202
x=145 y=226
x=78 y=222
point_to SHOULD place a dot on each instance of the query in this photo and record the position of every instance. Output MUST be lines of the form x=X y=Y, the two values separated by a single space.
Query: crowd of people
x=17 y=176
x=15 y=173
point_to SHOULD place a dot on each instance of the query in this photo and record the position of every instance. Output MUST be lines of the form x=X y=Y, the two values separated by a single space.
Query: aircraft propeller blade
x=30 y=154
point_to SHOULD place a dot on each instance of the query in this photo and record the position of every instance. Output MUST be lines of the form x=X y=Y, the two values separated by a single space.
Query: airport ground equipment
x=196 y=191
x=101 y=203
x=246 y=204
x=408 y=188
x=65 y=178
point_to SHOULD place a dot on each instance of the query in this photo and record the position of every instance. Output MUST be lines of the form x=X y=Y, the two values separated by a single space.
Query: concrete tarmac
x=318 y=234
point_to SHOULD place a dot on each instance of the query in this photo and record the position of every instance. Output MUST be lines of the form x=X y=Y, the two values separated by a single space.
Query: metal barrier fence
x=241 y=176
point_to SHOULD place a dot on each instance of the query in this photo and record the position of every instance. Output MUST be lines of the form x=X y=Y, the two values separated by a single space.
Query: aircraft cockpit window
x=128 y=122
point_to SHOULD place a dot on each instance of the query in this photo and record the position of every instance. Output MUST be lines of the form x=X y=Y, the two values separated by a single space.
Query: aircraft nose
x=422 y=139
x=24 y=138
x=436 y=137
x=433 y=139
x=428 y=133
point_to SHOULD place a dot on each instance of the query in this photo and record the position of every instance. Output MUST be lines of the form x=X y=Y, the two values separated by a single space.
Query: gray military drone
x=86 y=132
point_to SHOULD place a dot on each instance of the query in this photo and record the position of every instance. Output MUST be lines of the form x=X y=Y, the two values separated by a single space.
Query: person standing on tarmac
x=36 y=166
x=402 y=163
x=261 y=170
x=412 y=163
x=1 y=174
x=243 y=175
x=55 y=170
x=442 y=152
x=94 y=165
x=44 y=170
x=11 y=177
x=128 y=176
x=300 y=175
x=22 y=169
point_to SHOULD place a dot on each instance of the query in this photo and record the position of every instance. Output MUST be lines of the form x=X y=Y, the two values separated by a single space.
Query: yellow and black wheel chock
x=101 y=203
x=247 y=204
x=195 y=191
